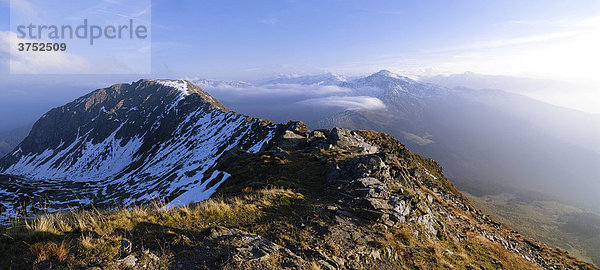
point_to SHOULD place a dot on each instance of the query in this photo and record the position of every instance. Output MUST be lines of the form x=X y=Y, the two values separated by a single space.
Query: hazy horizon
x=32 y=98
x=552 y=41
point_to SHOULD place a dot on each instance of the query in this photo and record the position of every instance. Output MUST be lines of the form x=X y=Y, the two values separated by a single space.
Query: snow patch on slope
x=428 y=173
x=200 y=192
x=180 y=85
x=259 y=145
x=80 y=161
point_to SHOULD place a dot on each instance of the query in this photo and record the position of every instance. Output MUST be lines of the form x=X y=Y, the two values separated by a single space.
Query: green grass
x=550 y=222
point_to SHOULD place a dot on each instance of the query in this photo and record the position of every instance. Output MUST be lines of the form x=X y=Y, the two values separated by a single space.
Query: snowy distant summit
x=383 y=82
x=334 y=79
x=386 y=73
x=387 y=85
x=216 y=83
x=319 y=79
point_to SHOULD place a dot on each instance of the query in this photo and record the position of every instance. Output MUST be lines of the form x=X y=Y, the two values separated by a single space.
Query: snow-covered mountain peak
x=216 y=83
x=185 y=88
x=386 y=74
x=135 y=142
x=180 y=85
x=319 y=79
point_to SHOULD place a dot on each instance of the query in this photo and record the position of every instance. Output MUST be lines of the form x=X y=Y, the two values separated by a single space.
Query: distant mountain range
x=486 y=136
x=289 y=197
x=490 y=136
x=10 y=139
x=576 y=95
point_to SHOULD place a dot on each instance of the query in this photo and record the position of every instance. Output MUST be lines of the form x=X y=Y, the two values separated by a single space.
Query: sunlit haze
x=549 y=40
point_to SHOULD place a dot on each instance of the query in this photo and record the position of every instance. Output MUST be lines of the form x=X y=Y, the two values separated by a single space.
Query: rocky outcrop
x=373 y=186
x=251 y=250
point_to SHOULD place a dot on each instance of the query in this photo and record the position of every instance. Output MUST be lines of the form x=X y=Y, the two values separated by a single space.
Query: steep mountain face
x=10 y=139
x=129 y=143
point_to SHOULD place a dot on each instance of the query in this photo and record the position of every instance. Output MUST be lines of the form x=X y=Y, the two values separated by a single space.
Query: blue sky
x=249 y=39
x=245 y=40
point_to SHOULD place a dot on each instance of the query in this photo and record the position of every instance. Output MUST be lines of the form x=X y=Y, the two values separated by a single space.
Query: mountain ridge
x=120 y=137
x=354 y=198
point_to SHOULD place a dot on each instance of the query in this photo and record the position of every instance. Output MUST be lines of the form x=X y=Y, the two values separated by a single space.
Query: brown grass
x=50 y=251
x=102 y=222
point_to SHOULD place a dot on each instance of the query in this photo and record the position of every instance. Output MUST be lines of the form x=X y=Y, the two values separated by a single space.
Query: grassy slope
x=551 y=222
x=168 y=238
x=252 y=200
x=93 y=238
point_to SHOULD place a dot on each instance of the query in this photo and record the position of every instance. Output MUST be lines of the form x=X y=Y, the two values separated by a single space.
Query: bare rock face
x=367 y=184
x=251 y=249
x=345 y=138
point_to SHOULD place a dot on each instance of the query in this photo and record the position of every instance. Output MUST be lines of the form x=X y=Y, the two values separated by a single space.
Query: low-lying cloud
x=293 y=95
x=281 y=90
x=280 y=102
x=348 y=103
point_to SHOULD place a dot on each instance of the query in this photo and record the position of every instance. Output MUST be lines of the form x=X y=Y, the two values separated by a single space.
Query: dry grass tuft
x=50 y=251
x=42 y=224
x=86 y=241
x=64 y=222
x=215 y=208
x=314 y=266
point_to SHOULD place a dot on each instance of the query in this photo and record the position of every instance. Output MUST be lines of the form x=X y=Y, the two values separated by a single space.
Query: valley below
x=20 y=197
x=546 y=219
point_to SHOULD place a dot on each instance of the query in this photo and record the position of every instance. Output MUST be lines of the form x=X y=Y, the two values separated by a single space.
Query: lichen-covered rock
x=248 y=250
x=350 y=140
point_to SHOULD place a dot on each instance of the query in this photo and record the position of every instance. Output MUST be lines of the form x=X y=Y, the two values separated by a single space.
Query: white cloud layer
x=281 y=90
x=348 y=103
x=291 y=96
